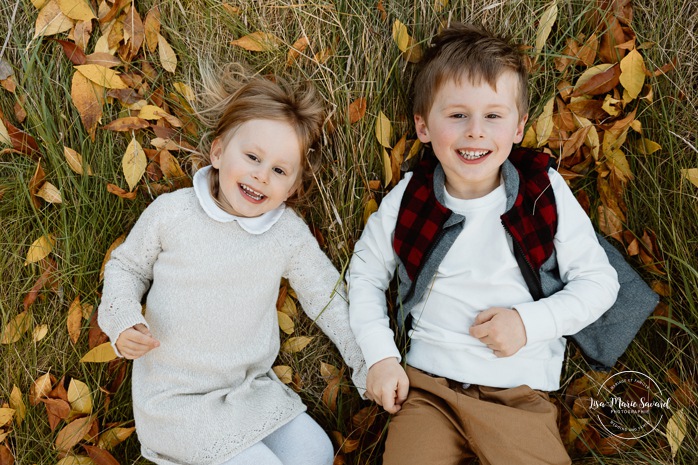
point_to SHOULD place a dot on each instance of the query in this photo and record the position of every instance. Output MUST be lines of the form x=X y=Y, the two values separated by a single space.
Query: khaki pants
x=441 y=423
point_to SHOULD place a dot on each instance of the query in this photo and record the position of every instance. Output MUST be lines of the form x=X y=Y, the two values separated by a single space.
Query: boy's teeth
x=472 y=154
x=252 y=193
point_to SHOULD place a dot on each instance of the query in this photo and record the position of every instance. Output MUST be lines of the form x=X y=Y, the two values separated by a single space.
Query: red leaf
x=600 y=83
x=22 y=142
x=73 y=51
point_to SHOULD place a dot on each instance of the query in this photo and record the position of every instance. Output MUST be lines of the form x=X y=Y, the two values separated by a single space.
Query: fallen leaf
x=17 y=403
x=50 y=193
x=86 y=101
x=51 y=21
x=74 y=320
x=56 y=411
x=646 y=146
x=117 y=242
x=676 y=431
x=40 y=248
x=609 y=223
x=357 y=110
x=102 y=76
x=364 y=418
x=295 y=344
x=328 y=371
x=104 y=59
x=611 y=106
x=80 y=397
x=632 y=76
x=22 y=141
x=100 y=354
x=135 y=32
x=73 y=433
x=330 y=393
x=151 y=26
x=346 y=445
x=185 y=91
x=370 y=208
x=74 y=160
x=409 y=47
x=119 y=192
x=100 y=456
x=75 y=54
x=113 y=437
x=4 y=134
x=323 y=55
x=383 y=130
x=544 y=123
x=15 y=328
x=575 y=141
x=78 y=10
x=597 y=80
x=619 y=164
x=545 y=26
x=397 y=155
x=40 y=389
x=587 y=52
x=284 y=373
x=39 y=333
x=258 y=42
x=6 y=415
x=289 y=307
x=133 y=163
x=285 y=323
x=691 y=174
x=168 y=58
x=82 y=33
x=387 y=168
x=76 y=460
x=128 y=123
x=296 y=49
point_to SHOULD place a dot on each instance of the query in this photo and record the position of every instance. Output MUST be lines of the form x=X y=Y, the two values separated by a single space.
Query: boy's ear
x=420 y=125
x=215 y=153
x=519 y=134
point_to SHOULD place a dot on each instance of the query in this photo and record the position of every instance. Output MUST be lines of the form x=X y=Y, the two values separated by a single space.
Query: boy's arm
x=591 y=283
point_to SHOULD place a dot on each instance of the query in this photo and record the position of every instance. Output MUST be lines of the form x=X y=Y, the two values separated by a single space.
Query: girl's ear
x=216 y=152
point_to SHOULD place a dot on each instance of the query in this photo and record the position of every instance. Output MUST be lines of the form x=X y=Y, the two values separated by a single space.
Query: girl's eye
x=252 y=156
x=458 y=116
x=279 y=171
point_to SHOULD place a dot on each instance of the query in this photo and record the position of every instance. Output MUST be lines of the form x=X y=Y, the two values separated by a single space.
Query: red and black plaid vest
x=531 y=221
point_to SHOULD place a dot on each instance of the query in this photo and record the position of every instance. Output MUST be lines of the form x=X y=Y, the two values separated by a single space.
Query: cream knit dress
x=208 y=391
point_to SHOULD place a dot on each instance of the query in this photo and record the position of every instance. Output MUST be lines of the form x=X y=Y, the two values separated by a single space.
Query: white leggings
x=299 y=442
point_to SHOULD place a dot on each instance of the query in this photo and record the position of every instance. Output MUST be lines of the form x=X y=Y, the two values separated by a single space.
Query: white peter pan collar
x=256 y=225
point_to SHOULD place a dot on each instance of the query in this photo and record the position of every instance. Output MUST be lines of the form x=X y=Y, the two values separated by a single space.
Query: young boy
x=496 y=262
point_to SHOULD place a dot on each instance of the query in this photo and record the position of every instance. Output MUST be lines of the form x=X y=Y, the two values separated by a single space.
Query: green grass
x=364 y=62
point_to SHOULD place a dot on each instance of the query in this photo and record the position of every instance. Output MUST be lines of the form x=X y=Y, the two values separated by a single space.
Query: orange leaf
x=128 y=123
x=357 y=110
x=86 y=101
x=56 y=410
x=609 y=223
x=74 y=321
x=73 y=433
x=296 y=49
x=258 y=42
x=124 y=194
x=100 y=456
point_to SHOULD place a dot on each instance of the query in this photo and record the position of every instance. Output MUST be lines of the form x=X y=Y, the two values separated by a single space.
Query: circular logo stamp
x=629 y=405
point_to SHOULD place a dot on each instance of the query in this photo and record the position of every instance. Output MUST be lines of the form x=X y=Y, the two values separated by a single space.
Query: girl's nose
x=261 y=175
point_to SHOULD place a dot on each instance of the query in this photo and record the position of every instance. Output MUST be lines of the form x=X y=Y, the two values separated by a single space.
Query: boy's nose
x=475 y=129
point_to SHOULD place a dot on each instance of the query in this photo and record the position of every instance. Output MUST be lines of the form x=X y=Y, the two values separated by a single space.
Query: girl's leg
x=301 y=442
x=257 y=454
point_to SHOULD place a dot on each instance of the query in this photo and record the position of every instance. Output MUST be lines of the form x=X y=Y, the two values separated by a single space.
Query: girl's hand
x=136 y=342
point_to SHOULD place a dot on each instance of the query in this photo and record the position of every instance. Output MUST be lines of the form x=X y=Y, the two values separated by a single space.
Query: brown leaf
x=587 y=53
x=73 y=433
x=100 y=456
x=74 y=321
x=103 y=59
x=114 y=11
x=82 y=32
x=34 y=183
x=152 y=28
x=118 y=191
x=74 y=53
x=357 y=110
x=329 y=395
x=599 y=83
x=126 y=96
x=575 y=141
x=365 y=417
x=610 y=223
x=6 y=457
x=134 y=29
x=86 y=101
x=666 y=69
x=613 y=36
x=56 y=410
x=21 y=141
x=41 y=388
x=95 y=336
x=128 y=123
x=48 y=269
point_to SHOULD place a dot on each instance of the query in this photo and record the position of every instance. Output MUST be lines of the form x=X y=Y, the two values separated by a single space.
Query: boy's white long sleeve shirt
x=208 y=391
x=478 y=272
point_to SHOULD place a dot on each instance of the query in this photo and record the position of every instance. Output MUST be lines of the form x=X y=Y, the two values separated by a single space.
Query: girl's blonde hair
x=234 y=97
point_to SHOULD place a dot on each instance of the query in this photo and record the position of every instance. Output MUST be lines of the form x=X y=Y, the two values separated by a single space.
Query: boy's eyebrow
x=489 y=106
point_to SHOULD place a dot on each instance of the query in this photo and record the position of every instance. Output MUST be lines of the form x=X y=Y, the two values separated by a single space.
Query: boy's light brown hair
x=464 y=51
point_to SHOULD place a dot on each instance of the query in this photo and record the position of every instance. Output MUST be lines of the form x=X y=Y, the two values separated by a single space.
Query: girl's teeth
x=472 y=154
x=252 y=193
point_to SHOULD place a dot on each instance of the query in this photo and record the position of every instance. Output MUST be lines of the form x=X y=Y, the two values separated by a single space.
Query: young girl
x=212 y=257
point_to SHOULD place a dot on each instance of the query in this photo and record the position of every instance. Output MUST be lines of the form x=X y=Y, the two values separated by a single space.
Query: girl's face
x=259 y=168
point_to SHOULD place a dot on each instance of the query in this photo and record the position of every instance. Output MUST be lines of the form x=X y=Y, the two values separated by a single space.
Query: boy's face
x=472 y=129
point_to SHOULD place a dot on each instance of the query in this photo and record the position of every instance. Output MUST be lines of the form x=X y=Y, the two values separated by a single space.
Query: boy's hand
x=136 y=342
x=501 y=329
x=387 y=384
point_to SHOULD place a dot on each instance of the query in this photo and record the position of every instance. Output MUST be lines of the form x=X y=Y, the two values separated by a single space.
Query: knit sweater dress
x=208 y=391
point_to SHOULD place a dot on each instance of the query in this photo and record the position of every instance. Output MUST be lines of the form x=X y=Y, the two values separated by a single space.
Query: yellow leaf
x=387 y=168
x=151 y=112
x=6 y=415
x=383 y=130
x=113 y=437
x=17 y=403
x=39 y=4
x=545 y=26
x=414 y=150
x=4 y=135
x=51 y=21
x=100 y=354
x=170 y=166
x=646 y=146
x=295 y=344
x=530 y=140
x=74 y=320
x=74 y=160
x=185 y=91
x=619 y=163
x=284 y=373
x=632 y=73
x=544 y=124
x=134 y=163
x=76 y=9
x=285 y=323
x=50 y=193
x=611 y=105
x=691 y=174
x=328 y=371
x=15 y=328
x=151 y=26
x=102 y=76
x=40 y=389
x=87 y=102
x=370 y=208
x=592 y=138
x=439 y=5
x=636 y=126
x=400 y=35
x=258 y=42
x=72 y=434
x=80 y=397
x=289 y=307
x=76 y=460
x=676 y=429
x=39 y=333
x=40 y=248
x=168 y=59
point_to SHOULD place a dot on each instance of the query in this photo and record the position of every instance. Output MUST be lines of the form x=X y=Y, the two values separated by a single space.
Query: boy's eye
x=279 y=171
x=492 y=116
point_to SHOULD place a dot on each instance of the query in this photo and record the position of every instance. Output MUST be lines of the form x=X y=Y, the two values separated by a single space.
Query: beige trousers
x=443 y=423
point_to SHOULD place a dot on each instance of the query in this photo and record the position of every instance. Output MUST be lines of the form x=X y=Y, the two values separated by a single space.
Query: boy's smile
x=472 y=128
x=258 y=167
